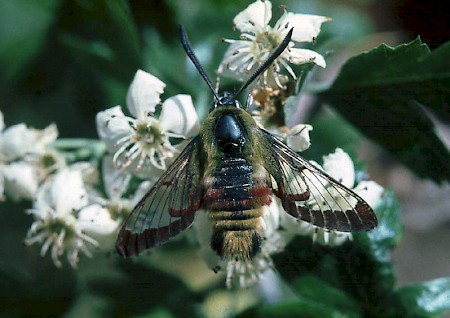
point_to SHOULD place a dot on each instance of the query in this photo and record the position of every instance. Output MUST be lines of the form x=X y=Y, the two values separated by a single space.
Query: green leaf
x=389 y=231
x=106 y=41
x=383 y=92
x=314 y=298
x=24 y=27
x=428 y=299
x=30 y=285
x=85 y=65
x=376 y=246
x=299 y=308
x=141 y=289
x=365 y=268
x=315 y=290
x=325 y=140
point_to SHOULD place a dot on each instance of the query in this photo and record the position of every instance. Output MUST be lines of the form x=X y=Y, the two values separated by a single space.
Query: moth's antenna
x=194 y=59
x=267 y=63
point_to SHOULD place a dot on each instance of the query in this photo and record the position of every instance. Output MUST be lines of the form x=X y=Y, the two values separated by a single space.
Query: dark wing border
x=166 y=209
x=356 y=217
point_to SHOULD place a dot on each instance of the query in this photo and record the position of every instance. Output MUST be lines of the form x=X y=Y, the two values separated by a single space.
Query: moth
x=232 y=169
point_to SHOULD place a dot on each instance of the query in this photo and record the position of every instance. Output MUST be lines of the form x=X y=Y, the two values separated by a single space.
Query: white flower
x=20 y=180
x=97 y=222
x=297 y=138
x=63 y=217
x=108 y=209
x=259 y=40
x=19 y=140
x=25 y=160
x=95 y=219
x=340 y=166
x=143 y=139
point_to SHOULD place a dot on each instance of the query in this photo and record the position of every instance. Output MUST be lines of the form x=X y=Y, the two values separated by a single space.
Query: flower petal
x=20 y=181
x=67 y=192
x=144 y=94
x=203 y=232
x=16 y=141
x=46 y=136
x=2 y=122
x=115 y=180
x=255 y=17
x=298 y=137
x=89 y=172
x=303 y=56
x=271 y=216
x=340 y=166
x=370 y=191
x=306 y=26
x=178 y=115
x=112 y=125
x=96 y=219
x=236 y=60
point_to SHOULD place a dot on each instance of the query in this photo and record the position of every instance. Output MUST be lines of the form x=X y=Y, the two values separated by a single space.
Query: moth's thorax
x=230 y=135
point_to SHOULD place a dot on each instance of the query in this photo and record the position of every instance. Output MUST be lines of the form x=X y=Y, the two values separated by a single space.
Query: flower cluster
x=70 y=213
x=73 y=214
x=258 y=40
x=141 y=144
x=65 y=220
x=25 y=159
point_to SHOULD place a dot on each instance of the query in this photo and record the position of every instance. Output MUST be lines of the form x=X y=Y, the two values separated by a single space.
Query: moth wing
x=309 y=194
x=166 y=209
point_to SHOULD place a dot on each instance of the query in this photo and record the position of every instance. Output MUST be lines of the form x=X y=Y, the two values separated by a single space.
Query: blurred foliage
x=385 y=93
x=29 y=284
x=64 y=60
x=139 y=281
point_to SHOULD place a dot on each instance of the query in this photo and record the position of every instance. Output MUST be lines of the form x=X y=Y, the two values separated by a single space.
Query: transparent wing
x=308 y=193
x=166 y=209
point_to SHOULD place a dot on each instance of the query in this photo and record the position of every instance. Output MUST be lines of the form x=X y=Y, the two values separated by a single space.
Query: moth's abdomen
x=235 y=187
x=235 y=196
x=237 y=234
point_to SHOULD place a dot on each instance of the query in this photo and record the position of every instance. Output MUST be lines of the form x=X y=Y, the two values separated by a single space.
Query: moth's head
x=226 y=99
